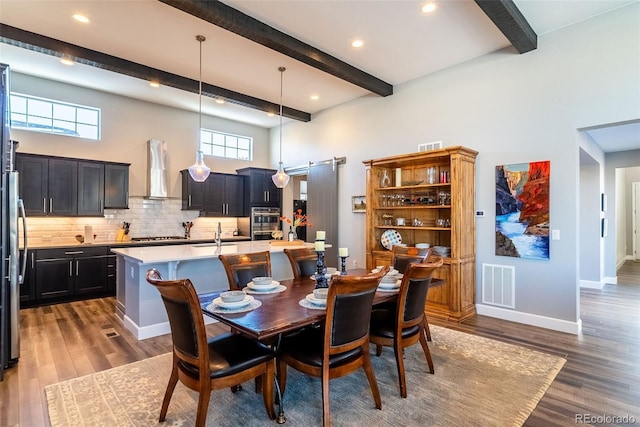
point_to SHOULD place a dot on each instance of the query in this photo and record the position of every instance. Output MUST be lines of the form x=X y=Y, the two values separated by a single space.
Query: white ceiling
x=401 y=44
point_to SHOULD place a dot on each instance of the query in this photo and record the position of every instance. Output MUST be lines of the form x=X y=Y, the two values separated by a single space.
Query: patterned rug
x=477 y=382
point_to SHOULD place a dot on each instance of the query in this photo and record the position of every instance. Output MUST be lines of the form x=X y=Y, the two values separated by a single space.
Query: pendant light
x=280 y=179
x=199 y=171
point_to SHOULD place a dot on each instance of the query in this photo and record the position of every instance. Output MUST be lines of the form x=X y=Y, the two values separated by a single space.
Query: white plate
x=247 y=300
x=393 y=285
x=316 y=301
x=268 y=287
x=390 y=238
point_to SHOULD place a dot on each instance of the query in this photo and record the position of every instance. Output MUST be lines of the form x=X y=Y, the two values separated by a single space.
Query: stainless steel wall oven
x=263 y=222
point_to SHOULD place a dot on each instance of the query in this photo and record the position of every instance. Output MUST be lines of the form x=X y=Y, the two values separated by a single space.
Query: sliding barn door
x=322 y=206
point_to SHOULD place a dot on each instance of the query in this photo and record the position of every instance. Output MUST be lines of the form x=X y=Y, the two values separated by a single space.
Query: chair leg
x=427 y=353
x=427 y=329
x=326 y=413
x=203 y=406
x=173 y=380
x=399 y=352
x=258 y=382
x=378 y=350
x=371 y=376
x=282 y=375
x=267 y=389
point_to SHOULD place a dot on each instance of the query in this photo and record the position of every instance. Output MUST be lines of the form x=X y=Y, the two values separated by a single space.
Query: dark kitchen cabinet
x=261 y=191
x=58 y=186
x=116 y=186
x=224 y=195
x=48 y=186
x=193 y=193
x=90 y=188
x=27 y=287
x=65 y=273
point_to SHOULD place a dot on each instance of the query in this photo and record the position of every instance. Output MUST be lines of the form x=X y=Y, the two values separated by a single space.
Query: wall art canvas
x=522 y=210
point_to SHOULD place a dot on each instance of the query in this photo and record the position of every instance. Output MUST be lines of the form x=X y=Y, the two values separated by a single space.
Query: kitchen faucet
x=218 y=236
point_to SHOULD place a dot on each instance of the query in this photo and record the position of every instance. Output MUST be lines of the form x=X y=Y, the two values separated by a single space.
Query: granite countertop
x=71 y=243
x=158 y=254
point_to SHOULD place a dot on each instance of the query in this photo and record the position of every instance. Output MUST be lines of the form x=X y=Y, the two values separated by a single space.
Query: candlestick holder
x=321 y=280
x=343 y=264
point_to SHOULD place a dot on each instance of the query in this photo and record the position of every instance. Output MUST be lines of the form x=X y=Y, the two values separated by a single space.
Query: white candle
x=319 y=246
x=320 y=235
x=343 y=251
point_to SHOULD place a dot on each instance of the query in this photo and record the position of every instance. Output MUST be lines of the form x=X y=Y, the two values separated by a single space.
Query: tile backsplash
x=148 y=217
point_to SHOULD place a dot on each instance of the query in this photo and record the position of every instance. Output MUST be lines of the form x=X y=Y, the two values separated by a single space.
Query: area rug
x=477 y=382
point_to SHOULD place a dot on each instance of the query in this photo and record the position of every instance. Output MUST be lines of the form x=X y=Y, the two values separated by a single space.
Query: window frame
x=46 y=123
x=208 y=146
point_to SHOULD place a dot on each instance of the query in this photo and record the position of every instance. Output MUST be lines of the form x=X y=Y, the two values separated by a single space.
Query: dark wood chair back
x=402 y=256
x=406 y=323
x=342 y=345
x=303 y=261
x=203 y=363
x=242 y=268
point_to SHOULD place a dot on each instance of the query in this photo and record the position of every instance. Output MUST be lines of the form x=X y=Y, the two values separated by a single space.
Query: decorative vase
x=385 y=181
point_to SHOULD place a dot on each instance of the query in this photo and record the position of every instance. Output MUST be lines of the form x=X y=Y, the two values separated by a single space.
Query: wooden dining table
x=281 y=313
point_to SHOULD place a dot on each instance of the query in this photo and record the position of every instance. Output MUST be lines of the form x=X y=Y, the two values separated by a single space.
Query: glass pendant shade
x=280 y=179
x=199 y=171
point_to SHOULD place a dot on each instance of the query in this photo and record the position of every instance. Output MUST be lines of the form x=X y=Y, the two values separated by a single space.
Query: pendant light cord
x=282 y=70
x=200 y=39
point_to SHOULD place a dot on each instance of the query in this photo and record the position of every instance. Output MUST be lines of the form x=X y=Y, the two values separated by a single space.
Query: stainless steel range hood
x=157 y=170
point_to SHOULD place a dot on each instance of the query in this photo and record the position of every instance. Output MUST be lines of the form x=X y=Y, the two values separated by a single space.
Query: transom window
x=221 y=144
x=49 y=116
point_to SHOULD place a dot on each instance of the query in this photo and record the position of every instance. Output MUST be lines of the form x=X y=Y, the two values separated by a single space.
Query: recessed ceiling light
x=154 y=84
x=428 y=8
x=357 y=43
x=81 y=18
x=219 y=101
x=66 y=61
x=314 y=97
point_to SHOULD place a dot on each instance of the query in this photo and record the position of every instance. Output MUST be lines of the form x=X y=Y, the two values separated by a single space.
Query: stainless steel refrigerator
x=12 y=214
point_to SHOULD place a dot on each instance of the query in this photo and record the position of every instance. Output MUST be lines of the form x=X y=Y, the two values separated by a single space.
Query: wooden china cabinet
x=427 y=197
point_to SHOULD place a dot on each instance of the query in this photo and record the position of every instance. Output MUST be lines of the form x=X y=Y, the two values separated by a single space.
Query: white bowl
x=232 y=296
x=423 y=245
x=262 y=281
x=331 y=270
x=321 y=293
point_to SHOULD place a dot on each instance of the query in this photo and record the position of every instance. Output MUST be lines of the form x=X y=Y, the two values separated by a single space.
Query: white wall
x=512 y=109
x=127 y=125
x=589 y=236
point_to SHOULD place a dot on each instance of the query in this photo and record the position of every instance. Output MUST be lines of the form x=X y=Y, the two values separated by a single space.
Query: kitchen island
x=138 y=304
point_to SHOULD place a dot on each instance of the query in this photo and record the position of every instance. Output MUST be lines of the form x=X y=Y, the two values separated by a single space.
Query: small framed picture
x=359 y=203
x=604 y=225
x=603 y=202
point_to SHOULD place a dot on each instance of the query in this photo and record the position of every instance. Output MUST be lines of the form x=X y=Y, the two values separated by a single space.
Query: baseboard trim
x=611 y=280
x=531 y=319
x=155 y=330
x=591 y=284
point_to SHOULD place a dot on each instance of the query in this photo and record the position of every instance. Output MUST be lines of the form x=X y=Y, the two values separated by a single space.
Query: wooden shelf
x=456 y=299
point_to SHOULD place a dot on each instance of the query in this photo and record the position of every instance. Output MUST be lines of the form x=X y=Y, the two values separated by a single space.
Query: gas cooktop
x=156 y=238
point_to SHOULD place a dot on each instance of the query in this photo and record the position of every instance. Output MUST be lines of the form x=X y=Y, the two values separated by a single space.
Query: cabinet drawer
x=71 y=252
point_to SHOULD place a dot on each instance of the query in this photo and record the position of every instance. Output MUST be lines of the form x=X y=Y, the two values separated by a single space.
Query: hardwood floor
x=601 y=376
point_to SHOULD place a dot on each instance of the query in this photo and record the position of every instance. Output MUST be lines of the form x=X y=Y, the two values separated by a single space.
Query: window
x=61 y=118
x=220 y=144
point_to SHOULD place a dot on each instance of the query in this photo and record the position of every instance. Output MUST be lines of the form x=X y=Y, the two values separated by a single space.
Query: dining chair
x=401 y=256
x=204 y=364
x=303 y=262
x=242 y=268
x=406 y=324
x=340 y=346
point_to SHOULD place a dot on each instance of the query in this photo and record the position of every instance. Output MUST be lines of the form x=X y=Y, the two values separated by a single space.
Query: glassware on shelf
x=442 y=198
x=431 y=175
x=385 y=181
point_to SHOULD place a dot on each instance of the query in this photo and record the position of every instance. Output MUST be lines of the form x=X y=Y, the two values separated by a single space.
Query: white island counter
x=139 y=304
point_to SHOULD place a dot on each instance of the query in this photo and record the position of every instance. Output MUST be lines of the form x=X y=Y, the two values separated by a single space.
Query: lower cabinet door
x=90 y=274
x=54 y=278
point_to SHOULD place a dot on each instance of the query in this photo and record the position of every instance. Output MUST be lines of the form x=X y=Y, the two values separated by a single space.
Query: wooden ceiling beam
x=47 y=45
x=508 y=18
x=233 y=20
